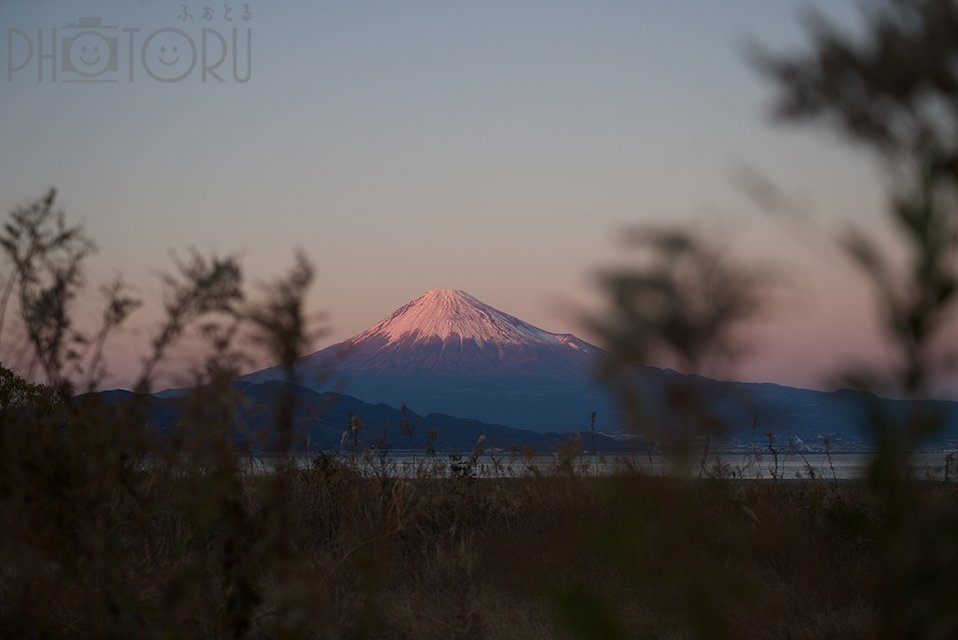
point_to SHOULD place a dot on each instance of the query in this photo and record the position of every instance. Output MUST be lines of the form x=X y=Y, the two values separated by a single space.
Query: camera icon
x=89 y=50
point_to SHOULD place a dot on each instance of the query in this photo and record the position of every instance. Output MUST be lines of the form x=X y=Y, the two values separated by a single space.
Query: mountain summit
x=448 y=352
x=450 y=330
x=452 y=315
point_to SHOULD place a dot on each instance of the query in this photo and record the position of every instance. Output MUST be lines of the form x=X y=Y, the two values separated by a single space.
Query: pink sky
x=491 y=147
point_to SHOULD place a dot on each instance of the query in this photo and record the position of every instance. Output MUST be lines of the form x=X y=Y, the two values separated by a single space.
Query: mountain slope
x=447 y=352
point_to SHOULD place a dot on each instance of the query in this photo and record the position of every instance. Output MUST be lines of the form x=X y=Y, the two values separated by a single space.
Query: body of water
x=737 y=465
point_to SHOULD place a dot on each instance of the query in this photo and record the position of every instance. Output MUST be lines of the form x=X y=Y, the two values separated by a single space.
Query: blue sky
x=496 y=147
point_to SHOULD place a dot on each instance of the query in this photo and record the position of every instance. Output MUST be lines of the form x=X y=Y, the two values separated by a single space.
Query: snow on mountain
x=445 y=330
x=450 y=314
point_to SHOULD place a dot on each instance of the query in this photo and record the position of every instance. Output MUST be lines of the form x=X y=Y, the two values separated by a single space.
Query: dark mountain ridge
x=321 y=420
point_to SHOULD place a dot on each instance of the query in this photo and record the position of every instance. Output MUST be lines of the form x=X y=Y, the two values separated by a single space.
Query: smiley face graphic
x=169 y=55
x=174 y=52
x=90 y=53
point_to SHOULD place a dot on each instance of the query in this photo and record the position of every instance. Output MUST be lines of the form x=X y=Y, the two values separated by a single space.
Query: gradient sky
x=496 y=147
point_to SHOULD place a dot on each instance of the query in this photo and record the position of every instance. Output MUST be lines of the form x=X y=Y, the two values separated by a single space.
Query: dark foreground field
x=326 y=553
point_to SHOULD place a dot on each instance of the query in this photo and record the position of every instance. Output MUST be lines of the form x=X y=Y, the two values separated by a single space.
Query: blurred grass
x=194 y=552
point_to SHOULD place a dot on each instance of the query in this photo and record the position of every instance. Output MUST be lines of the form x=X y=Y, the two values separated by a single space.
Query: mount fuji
x=448 y=352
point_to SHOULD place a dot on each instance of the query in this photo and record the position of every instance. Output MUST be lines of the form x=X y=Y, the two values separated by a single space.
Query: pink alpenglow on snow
x=451 y=314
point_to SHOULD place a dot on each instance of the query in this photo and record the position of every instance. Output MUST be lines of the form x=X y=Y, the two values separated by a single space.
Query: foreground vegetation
x=93 y=548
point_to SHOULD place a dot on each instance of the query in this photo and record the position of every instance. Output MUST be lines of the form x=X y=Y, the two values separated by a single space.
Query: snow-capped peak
x=450 y=314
